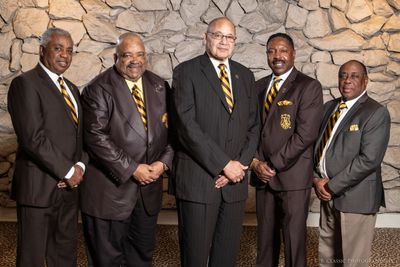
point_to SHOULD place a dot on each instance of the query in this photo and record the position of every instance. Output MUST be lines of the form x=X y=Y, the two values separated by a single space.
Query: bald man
x=215 y=119
x=127 y=139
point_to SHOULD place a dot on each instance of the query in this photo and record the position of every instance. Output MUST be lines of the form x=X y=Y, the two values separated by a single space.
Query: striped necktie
x=271 y=95
x=328 y=131
x=226 y=88
x=68 y=100
x=137 y=97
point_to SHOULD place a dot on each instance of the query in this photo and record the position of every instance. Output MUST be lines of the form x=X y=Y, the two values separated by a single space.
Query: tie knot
x=277 y=79
x=221 y=67
x=60 y=80
x=342 y=106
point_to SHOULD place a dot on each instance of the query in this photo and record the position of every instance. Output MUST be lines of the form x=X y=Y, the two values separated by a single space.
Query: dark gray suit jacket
x=49 y=143
x=117 y=142
x=355 y=154
x=289 y=131
x=208 y=136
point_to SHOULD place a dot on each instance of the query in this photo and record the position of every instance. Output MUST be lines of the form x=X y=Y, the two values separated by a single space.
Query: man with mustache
x=216 y=120
x=47 y=119
x=291 y=112
x=127 y=139
x=348 y=170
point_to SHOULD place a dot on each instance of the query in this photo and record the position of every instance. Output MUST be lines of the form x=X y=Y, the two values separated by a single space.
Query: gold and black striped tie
x=137 y=97
x=271 y=95
x=226 y=88
x=328 y=131
x=68 y=100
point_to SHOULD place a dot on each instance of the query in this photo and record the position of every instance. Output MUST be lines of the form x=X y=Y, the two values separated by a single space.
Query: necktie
x=68 y=100
x=271 y=95
x=137 y=97
x=226 y=88
x=328 y=131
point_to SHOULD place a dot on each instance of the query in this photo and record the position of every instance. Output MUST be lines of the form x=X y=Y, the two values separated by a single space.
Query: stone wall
x=326 y=33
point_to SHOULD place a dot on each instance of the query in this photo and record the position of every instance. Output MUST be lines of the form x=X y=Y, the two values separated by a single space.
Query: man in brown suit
x=47 y=118
x=126 y=137
x=291 y=112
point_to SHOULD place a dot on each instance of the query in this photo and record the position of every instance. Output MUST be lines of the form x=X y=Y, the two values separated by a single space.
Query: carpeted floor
x=386 y=247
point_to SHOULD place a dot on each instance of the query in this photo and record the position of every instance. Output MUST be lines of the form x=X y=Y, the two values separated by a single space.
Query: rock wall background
x=326 y=33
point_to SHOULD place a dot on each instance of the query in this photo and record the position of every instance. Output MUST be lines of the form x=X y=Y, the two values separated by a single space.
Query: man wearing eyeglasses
x=126 y=136
x=215 y=122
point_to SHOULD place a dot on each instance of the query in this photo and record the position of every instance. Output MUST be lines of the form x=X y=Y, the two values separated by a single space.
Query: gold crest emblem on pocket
x=285 y=121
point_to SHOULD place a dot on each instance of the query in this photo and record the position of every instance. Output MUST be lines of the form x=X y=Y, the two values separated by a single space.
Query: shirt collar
x=283 y=76
x=351 y=103
x=216 y=62
x=53 y=76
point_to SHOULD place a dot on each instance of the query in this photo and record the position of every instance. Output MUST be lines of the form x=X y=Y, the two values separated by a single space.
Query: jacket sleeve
x=374 y=141
x=308 y=120
x=189 y=133
x=97 y=108
x=26 y=109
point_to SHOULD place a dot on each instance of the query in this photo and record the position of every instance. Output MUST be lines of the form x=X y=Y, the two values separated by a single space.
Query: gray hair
x=45 y=38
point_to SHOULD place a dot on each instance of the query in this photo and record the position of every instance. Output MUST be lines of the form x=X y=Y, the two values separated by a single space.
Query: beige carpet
x=386 y=247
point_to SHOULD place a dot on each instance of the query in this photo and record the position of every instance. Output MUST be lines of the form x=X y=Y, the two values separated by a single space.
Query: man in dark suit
x=216 y=123
x=47 y=118
x=127 y=139
x=291 y=107
x=353 y=139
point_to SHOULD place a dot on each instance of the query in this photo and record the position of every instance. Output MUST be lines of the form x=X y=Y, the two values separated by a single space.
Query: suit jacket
x=289 y=131
x=117 y=143
x=355 y=154
x=49 y=143
x=208 y=136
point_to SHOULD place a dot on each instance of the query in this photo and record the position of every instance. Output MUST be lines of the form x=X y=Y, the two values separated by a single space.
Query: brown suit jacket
x=49 y=143
x=290 y=130
x=117 y=142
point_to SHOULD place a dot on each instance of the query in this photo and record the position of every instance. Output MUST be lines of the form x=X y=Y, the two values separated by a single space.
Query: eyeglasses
x=219 y=36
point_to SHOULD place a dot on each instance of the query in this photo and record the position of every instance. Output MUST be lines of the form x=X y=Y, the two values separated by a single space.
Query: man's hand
x=221 y=181
x=157 y=167
x=262 y=170
x=75 y=179
x=234 y=171
x=144 y=174
x=321 y=188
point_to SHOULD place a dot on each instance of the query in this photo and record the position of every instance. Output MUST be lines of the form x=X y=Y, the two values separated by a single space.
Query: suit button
x=149 y=145
x=263 y=135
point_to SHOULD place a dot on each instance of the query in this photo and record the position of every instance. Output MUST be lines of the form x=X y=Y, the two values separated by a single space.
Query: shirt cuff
x=72 y=170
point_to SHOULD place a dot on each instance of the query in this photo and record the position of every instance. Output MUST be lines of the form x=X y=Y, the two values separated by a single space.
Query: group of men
x=207 y=131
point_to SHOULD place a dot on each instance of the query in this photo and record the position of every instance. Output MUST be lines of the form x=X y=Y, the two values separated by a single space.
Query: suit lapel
x=49 y=85
x=211 y=75
x=153 y=102
x=349 y=115
x=236 y=84
x=128 y=108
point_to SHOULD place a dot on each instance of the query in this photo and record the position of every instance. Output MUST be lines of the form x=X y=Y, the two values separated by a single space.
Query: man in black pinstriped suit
x=216 y=140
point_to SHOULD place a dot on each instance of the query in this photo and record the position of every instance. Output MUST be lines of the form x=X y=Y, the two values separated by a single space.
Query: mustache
x=134 y=65
x=276 y=61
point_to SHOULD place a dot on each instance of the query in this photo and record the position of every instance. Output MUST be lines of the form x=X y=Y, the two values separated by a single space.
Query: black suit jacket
x=117 y=142
x=355 y=154
x=208 y=136
x=290 y=130
x=49 y=143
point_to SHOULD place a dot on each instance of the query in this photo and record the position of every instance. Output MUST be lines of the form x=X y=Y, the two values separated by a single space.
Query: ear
x=204 y=38
x=115 y=57
x=41 y=51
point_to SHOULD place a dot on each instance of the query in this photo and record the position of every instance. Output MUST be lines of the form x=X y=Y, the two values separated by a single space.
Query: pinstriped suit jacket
x=207 y=135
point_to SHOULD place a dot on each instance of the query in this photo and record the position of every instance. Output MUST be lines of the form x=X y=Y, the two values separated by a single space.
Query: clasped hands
x=262 y=170
x=146 y=174
x=74 y=181
x=233 y=172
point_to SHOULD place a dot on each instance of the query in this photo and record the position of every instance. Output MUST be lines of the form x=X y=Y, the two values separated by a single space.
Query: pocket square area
x=353 y=128
x=285 y=103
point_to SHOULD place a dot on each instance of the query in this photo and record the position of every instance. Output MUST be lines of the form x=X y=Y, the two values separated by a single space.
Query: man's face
x=130 y=59
x=352 y=80
x=280 y=55
x=57 y=55
x=220 y=40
